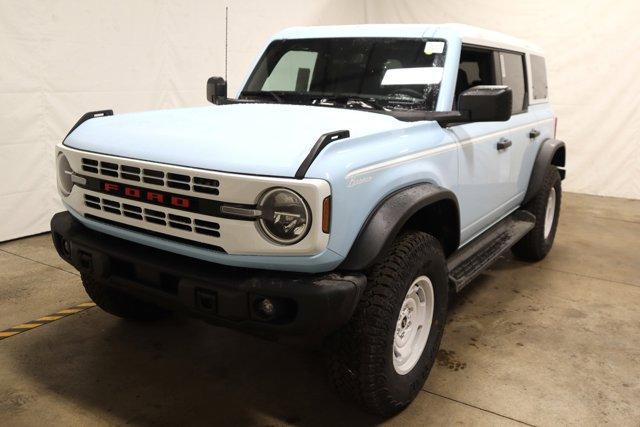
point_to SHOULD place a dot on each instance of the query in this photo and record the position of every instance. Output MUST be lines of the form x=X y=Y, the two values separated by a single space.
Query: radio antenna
x=226 y=38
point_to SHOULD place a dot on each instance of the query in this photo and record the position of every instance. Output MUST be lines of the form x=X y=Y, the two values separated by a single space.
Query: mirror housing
x=216 y=90
x=486 y=104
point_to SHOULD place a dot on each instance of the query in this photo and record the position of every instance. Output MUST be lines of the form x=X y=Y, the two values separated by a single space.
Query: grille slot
x=154 y=213
x=180 y=226
x=180 y=218
x=130 y=207
x=208 y=232
x=111 y=203
x=154 y=173
x=207 y=227
x=178 y=177
x=207 y=224
x=132 y=215
x=154 y=181
x=157 y=177
x=130 y=169
x=129 y=176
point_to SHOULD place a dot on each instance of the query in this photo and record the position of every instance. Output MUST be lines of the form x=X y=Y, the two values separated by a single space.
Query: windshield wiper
x=350 y=100
x=264 y=92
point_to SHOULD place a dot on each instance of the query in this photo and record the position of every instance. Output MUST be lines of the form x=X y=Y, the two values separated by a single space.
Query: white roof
x=466 y=33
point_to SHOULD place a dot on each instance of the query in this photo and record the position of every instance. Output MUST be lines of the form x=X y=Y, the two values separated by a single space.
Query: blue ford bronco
x=360 y=177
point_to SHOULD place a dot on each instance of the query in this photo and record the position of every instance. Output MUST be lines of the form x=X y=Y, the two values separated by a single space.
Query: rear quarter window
x=539 y=77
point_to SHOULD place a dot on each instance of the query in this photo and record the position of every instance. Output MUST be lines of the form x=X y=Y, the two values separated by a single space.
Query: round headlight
x=64 y=175
x=285 y=216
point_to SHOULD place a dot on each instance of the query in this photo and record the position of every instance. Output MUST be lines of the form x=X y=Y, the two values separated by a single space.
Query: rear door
x=512 y=67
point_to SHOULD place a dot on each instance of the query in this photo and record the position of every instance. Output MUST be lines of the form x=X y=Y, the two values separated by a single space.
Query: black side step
x=466 y=263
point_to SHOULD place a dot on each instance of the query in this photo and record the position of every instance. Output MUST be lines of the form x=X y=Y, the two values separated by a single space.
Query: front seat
x=462 y=84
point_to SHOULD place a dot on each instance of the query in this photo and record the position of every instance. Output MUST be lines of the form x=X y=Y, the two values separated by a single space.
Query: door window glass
x=476 y=68
x=512 y=69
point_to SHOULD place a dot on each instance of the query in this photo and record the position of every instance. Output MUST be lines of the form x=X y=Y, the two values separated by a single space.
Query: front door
x=484 y=159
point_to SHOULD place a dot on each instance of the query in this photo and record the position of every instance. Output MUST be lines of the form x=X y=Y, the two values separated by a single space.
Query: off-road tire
x=120 y=304
x=534 y=246
x=359 y=356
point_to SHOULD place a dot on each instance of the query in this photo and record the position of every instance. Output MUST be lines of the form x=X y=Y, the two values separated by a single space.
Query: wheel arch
x=551 y=152
x=425 y=207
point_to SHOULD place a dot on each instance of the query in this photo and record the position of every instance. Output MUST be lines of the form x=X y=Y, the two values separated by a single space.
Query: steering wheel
x=408 y=92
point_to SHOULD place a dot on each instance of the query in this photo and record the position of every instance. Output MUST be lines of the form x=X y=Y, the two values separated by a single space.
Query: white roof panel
x=466 y=33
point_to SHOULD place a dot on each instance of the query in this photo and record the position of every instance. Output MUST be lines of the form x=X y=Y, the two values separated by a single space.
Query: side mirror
x=216 y=90
x=486 y=103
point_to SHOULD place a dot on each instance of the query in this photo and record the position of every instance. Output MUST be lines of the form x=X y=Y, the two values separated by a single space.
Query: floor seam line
x=617 y=219
x=38 y=262
x=478 y=408
x=525 y=264
x=587 y=276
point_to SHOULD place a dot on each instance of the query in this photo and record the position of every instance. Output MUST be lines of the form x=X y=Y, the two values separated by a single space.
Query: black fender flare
x=389 y=217
x=551 y=152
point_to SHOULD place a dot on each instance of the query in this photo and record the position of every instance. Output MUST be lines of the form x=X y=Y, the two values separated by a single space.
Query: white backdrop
x=60 y=59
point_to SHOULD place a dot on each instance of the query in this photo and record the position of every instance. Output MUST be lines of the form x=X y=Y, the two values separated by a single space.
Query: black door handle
x=534 y=133
x=503 y=144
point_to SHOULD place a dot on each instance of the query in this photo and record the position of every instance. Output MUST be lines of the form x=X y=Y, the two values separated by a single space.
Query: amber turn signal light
x=326 y=214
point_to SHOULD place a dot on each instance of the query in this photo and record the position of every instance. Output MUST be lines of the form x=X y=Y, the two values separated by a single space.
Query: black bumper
x=307 y=305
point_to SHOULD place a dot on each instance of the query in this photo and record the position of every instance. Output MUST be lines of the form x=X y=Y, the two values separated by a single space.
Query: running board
x=468 y=262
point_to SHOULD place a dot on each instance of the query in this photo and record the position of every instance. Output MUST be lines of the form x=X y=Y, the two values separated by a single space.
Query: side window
x=538 y=77
x=292 y=72
x=476 y=68
x=512 y=73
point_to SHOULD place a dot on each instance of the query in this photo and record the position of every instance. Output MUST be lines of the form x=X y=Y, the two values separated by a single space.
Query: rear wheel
x=120 y=304
x=536 y=244
x=383 y=356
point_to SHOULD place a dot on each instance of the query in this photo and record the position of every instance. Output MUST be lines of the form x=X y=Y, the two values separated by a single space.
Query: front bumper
x=307 y=305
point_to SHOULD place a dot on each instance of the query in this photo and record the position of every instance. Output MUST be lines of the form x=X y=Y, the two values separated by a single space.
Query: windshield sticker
x=412 y=76
x=433 y=47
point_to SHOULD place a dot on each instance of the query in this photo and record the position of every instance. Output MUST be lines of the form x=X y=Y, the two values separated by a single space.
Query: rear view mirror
x=216 y=90
x=486 y=103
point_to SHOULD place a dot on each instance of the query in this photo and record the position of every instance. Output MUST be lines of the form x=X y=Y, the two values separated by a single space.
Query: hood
x=261 y=139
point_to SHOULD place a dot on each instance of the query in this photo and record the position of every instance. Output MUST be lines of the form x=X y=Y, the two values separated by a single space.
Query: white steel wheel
x=413 y=325
x=550 y=213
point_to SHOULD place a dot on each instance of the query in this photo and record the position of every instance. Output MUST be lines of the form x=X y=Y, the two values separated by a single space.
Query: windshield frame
x=348 y=100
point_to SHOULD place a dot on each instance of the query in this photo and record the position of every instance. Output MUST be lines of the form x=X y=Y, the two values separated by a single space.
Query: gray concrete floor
x=557 y=342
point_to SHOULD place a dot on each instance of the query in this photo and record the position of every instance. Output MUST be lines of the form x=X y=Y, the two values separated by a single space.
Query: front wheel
x=383 y=356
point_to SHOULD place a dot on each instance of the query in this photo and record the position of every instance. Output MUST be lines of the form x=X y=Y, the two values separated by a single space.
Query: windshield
x=369 y=73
